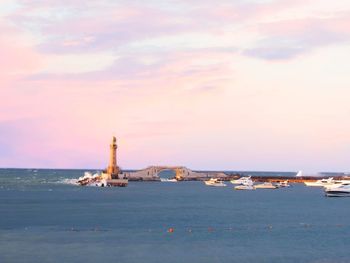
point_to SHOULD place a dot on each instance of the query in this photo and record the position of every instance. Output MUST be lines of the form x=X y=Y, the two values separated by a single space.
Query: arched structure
x=151 y=173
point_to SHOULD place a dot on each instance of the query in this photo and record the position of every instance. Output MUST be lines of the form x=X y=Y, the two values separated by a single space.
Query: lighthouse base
x=117 y=182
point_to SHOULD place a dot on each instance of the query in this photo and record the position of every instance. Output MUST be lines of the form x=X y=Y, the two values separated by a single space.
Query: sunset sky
x=215 y=85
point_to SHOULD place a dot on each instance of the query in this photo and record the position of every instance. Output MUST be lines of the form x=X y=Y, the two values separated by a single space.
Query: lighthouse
x=109 y=176
x=113 y=168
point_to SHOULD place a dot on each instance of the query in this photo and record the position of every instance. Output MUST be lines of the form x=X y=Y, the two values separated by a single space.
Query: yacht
x=341 y=190
x=242 y=180
x=266 y=185
x=214 y=182
x=322 y=182
x=327 y=182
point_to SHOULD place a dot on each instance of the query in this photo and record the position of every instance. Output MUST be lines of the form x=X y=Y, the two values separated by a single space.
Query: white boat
x=341 y=190
x=214 y=182
x=322 y=182
x=327 y=182
x=282 y=184
x=244 y=187
x=242 y=180
x=266 y=185
x=168 y=180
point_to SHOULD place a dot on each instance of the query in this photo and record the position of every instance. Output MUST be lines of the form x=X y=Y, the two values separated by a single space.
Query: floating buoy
x=171 y=230
x=210 y=229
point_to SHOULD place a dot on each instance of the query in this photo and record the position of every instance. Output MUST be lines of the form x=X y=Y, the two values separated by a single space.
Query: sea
x=45 y=217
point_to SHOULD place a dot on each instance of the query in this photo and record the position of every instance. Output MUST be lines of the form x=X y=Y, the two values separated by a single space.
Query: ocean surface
x=45 y=218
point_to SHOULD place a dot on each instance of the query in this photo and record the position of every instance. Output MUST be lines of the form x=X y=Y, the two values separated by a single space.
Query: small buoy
x=190 y=230
x=210 y=229
x=171 y=230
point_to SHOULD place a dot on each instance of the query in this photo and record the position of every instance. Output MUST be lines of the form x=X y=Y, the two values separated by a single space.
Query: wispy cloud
x=288 y=39
x=75 y=71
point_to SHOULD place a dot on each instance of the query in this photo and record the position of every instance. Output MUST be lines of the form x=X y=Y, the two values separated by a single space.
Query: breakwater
x=182 y=173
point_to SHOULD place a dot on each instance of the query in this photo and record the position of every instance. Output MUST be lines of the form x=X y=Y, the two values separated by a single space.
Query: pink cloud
x=166 y=102
x=290 y=38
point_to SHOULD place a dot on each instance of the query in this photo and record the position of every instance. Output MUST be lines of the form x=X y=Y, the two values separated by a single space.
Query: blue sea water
x=45 y=219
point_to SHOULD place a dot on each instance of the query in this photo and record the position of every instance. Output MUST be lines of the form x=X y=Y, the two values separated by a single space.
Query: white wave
x=70 y=181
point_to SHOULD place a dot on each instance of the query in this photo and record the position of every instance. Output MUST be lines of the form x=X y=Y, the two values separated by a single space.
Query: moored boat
x=327 y=182
x=242 y=180
x=244 y=187
x=173 y=180
x=342 y=190
x=282 y=184
x=322 y=182
x=214 y=182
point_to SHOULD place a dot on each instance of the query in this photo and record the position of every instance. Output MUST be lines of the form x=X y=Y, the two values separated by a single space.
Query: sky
x=211 y=85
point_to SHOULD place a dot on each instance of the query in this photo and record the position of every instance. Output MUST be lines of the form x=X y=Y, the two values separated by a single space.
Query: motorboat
x=341 y=190
x=322 y=182
x=214 y=182
x=282 y=184
x=242 y=180
x=327 y=182
x=266 y=185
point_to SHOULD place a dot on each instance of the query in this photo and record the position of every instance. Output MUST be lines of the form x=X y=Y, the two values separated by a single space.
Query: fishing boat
x=214 y=182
